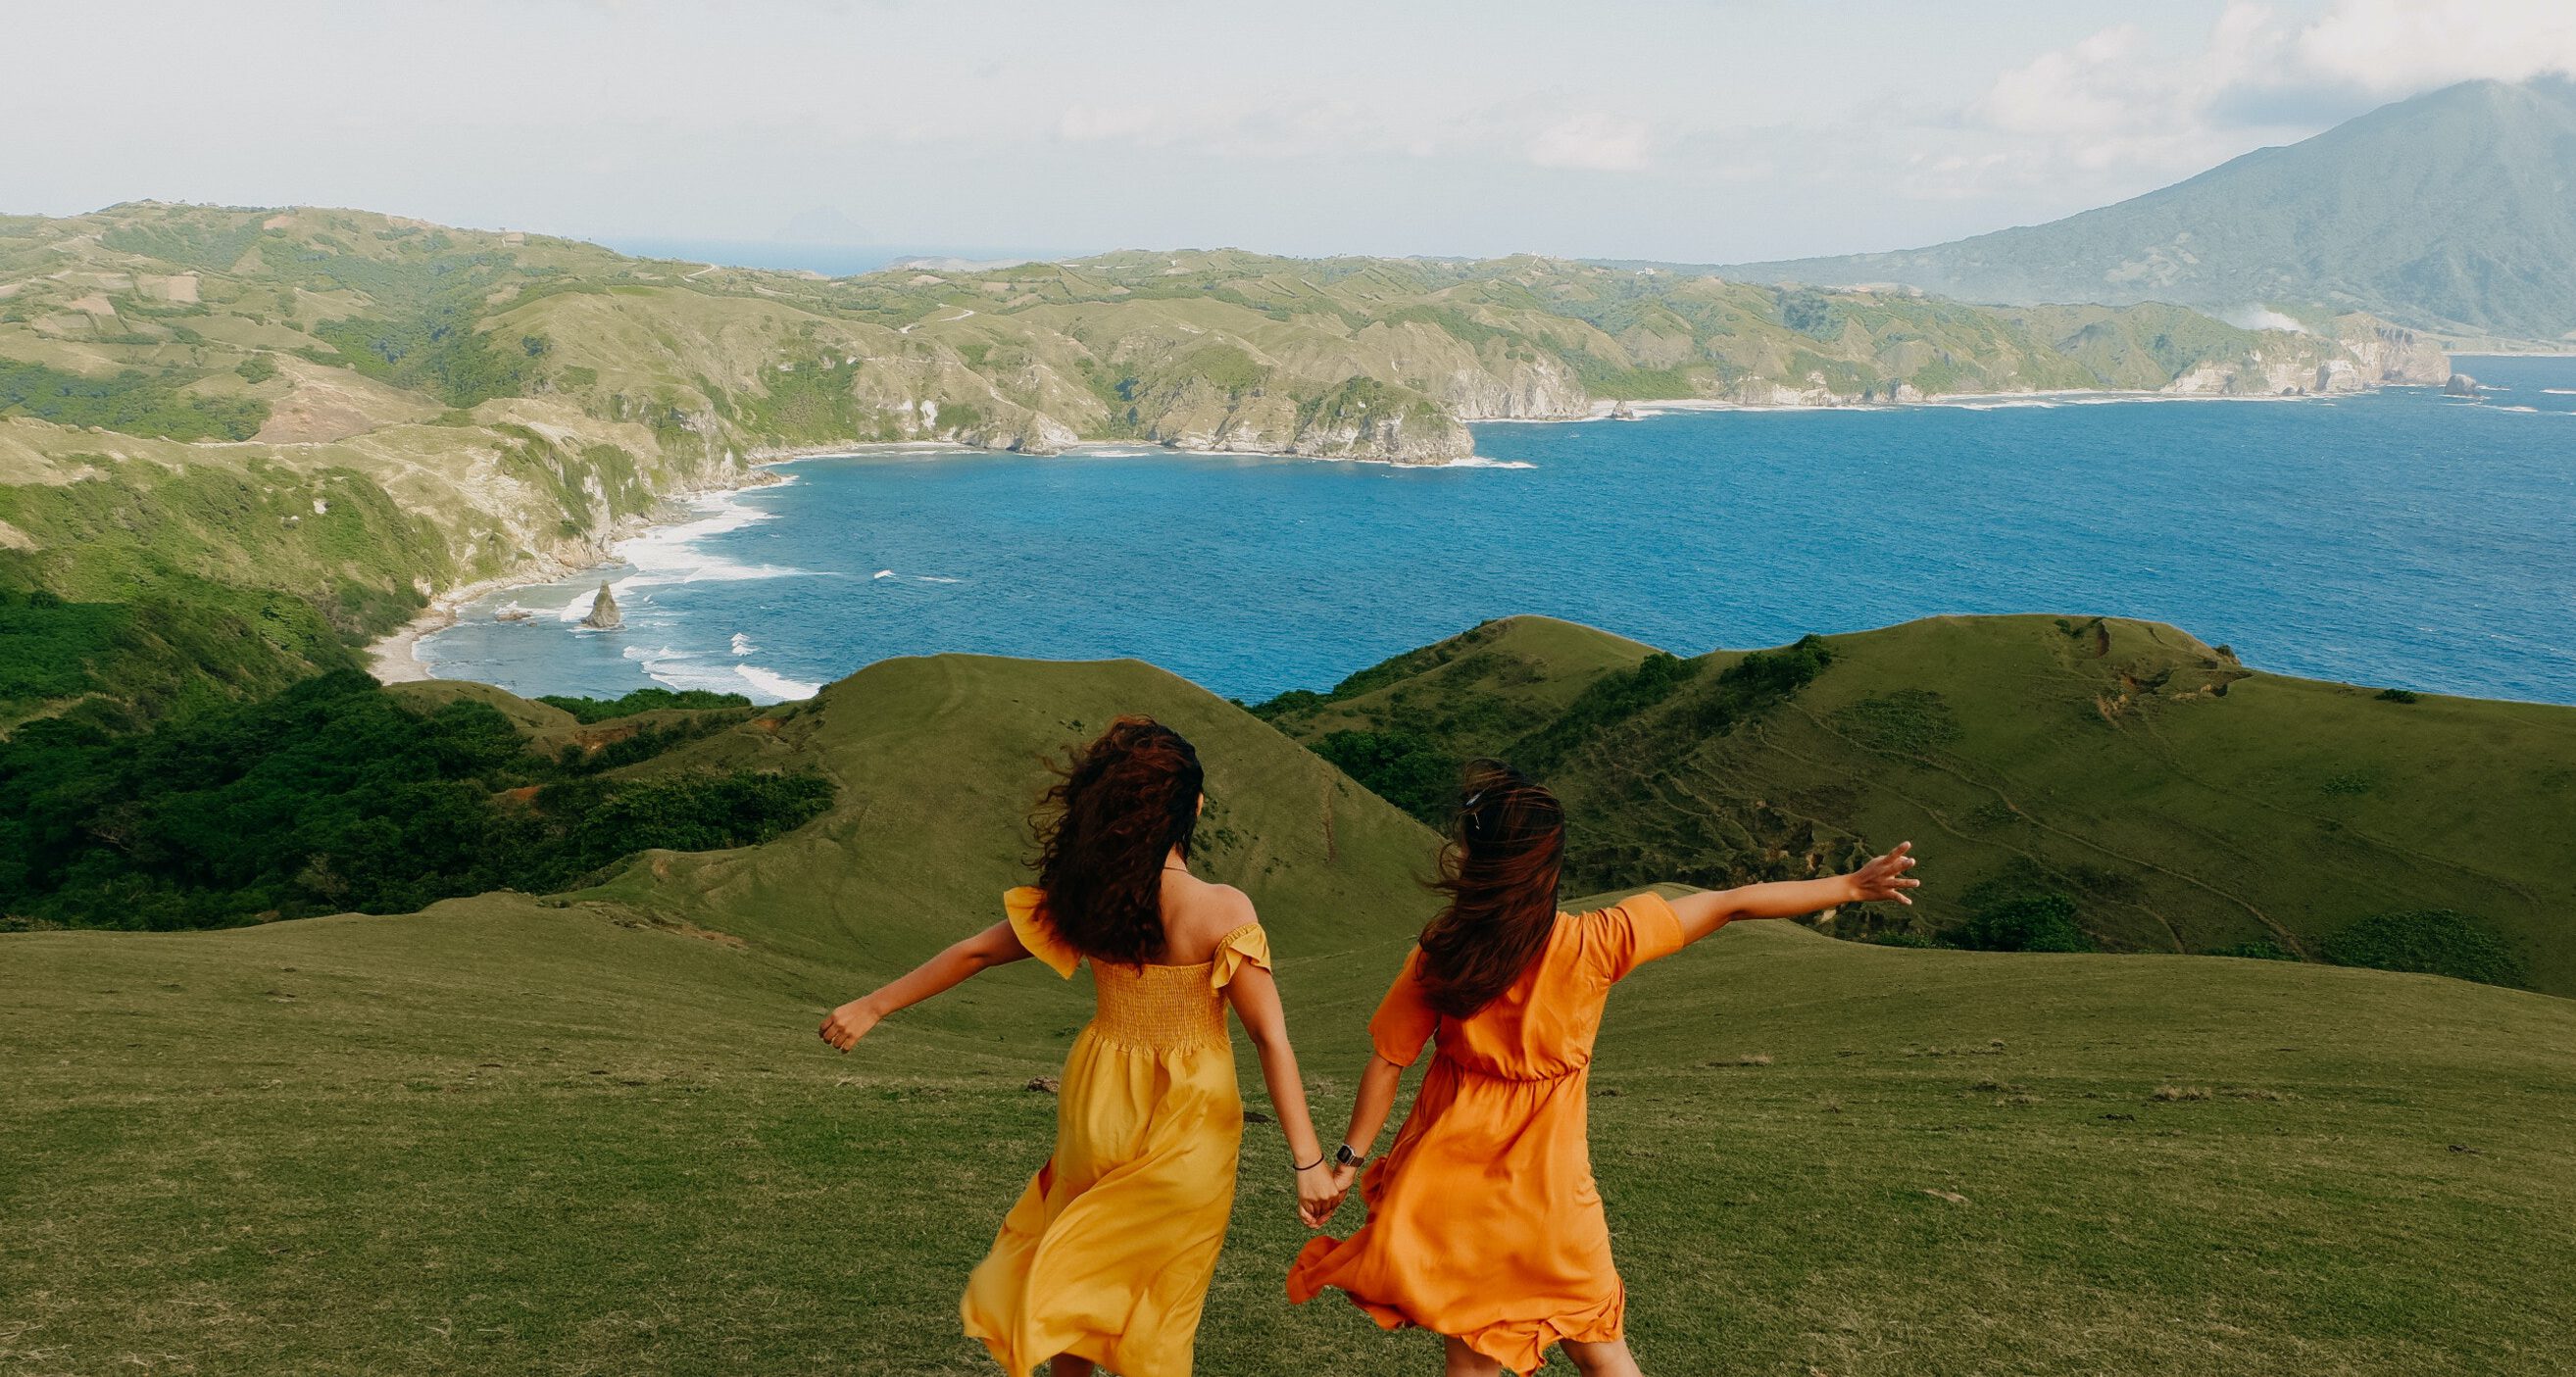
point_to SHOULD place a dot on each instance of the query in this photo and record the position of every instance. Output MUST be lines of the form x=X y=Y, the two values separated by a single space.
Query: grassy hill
x=289 y=429
x=2454 y=211
x=2166 y=797
x=595 y=1133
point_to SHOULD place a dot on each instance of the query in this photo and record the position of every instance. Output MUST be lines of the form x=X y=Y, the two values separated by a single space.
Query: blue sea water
x=2401 y=538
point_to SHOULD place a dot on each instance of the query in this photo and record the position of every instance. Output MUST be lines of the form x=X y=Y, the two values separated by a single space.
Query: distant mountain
x=2454 y=211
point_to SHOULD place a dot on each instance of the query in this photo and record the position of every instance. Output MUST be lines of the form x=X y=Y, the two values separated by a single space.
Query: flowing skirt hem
x=1518 y=1344
x=1099 y=1348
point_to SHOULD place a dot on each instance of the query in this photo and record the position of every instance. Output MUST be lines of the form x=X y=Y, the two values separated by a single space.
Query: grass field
x=596 y=1134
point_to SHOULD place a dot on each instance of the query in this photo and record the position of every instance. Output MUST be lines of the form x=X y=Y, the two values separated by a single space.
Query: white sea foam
x=742 y=644
x=882 y=574
x=582 y=602
x=2559 y=391
x=2532 y=409
x=674 y=553
x=769 y=686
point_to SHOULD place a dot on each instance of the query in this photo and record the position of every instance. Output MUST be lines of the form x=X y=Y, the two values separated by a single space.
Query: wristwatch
x=1343 y=1156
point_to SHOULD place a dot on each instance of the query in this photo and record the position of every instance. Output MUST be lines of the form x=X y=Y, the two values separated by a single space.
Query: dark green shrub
x=643 y=700
x=2035 y=922
x=1402 y=767
x=335 y=795
x=2437 y=941
x=131 y=401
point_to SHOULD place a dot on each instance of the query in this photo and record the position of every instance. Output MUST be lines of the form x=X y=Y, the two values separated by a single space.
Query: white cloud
x=2116 y=113
x=1593 y=142
x=2397 y=47
x=2262 y=318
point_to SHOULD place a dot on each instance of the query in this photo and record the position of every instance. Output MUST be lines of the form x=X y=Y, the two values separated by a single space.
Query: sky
x=1721 y=131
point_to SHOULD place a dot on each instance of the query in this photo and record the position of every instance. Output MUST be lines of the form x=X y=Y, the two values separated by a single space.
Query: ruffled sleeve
x=1027 y=907
x=1246 y=945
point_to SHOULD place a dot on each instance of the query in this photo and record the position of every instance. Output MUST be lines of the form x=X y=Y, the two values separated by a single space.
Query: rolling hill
x=286 y=431
x=2161 y=794
x=2452 y=212
x=594 y=1133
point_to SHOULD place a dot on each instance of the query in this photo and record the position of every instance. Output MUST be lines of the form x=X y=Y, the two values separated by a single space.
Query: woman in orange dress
x=1483 y=1222
x=1106 y=1257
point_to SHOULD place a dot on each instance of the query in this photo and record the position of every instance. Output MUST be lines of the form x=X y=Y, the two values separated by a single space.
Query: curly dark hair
x=1500 y=872
x=1116 y=810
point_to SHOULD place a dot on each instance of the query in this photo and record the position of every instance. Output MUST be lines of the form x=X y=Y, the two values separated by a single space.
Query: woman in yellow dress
x=1106 y=1257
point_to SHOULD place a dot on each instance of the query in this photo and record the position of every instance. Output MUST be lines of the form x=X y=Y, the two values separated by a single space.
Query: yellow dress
x=1108 y=1253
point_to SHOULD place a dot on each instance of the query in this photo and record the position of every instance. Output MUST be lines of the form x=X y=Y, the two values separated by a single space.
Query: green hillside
x=595 y=1133
x=2118 y=773
x=2453 y=212
x=290 y=429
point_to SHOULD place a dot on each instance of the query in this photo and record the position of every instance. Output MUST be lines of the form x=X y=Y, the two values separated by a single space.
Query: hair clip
x=1470 y=804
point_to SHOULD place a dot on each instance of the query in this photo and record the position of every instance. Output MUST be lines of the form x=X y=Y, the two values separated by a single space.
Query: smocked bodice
x=1158 y=1006
x=1152 y=1008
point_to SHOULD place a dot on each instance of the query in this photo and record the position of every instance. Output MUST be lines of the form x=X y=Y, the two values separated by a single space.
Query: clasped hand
x=1320 y=1191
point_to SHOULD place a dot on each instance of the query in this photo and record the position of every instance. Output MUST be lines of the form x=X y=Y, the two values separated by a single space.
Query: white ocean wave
x=588 y=597
x=673 y=553
x=742 y=644
x=771 y=687
x=882 y=574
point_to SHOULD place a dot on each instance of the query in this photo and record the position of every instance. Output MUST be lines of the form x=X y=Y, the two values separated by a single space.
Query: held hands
x=1884 y=878
x=848 y=1024
x=1320 y=1189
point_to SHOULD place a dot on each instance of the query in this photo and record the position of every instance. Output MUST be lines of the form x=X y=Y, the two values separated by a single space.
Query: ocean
x=2401 y=538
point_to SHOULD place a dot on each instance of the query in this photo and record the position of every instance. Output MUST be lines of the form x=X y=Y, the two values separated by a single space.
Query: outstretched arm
x=994 y=946
x=1255 y=996
x=1883 y=878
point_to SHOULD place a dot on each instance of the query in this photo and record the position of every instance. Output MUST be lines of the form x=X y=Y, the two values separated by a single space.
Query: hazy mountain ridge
x=2454 y=211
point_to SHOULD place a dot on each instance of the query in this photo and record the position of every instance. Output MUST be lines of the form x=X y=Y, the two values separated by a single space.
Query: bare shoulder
x=1220 y=909
x=1203 y=914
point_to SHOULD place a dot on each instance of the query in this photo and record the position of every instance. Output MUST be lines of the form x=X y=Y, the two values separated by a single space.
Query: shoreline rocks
x=603 y=612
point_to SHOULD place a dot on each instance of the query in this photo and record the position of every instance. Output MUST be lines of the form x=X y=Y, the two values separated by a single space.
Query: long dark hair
x=1117 y=809
x=1500 y=872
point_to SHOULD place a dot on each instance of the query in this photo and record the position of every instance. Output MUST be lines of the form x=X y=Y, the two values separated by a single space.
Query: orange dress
x=1483 y=1222
x=1108 y=1253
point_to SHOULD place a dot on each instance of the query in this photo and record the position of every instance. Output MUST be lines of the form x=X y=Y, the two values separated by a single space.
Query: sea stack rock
x=2460 y=385
x=603 y=612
